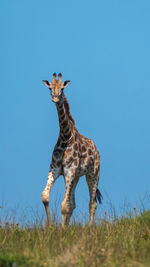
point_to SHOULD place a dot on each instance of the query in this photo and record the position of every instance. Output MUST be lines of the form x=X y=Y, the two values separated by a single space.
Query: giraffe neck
x=66 y=121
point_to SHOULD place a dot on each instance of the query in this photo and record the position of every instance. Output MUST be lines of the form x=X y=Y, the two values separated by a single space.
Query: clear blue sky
x=103 y=47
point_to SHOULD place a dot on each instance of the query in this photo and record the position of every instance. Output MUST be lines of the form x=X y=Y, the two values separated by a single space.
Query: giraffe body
x=74 y=155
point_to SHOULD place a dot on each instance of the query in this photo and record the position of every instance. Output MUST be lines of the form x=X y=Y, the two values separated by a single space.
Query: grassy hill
x=120 y=242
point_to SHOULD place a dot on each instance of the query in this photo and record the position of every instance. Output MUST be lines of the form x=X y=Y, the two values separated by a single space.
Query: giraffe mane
x=67 y=107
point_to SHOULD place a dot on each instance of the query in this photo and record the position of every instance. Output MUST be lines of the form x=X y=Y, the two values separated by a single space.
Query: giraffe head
x=56 y=87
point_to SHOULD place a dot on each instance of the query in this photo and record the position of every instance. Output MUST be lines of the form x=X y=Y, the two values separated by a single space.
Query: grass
x=121 y=241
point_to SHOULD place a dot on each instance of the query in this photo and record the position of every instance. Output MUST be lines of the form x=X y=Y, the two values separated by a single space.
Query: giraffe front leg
x=45 y=195
x=66 y=211
x=68 y=204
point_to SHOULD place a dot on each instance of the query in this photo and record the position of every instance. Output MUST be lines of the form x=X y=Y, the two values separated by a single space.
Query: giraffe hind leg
x=92 y=182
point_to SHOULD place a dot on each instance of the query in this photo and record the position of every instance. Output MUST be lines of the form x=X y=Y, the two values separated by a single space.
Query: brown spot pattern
x=65 y=123
x=76 y=146
x=82 y=161
x=74 y=154
x=68 y=151
x=83 y=149
x=89 y=152
x=69 y=160
x=84 y=155
x=75 y=162
x=62 y=118
x=89 y=160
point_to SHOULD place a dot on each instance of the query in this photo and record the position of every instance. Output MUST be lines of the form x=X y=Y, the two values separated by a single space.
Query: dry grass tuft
x=123 y=241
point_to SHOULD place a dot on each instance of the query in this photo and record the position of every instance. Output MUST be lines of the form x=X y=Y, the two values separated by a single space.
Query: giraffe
x=74 y=155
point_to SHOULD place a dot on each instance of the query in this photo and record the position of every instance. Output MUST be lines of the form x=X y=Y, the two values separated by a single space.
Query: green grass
x=122 y=241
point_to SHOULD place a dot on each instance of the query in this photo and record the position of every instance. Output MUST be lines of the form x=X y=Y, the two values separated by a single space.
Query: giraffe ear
x=66 y=83
x=46 y=83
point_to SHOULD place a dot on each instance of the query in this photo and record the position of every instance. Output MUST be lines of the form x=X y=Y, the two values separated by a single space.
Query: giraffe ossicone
x=74 y=155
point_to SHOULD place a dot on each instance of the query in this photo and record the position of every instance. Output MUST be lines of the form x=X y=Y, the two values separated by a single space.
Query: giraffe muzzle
x=55 y=99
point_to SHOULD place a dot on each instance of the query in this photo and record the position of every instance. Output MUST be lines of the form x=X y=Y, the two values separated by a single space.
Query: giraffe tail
x=99 y=196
